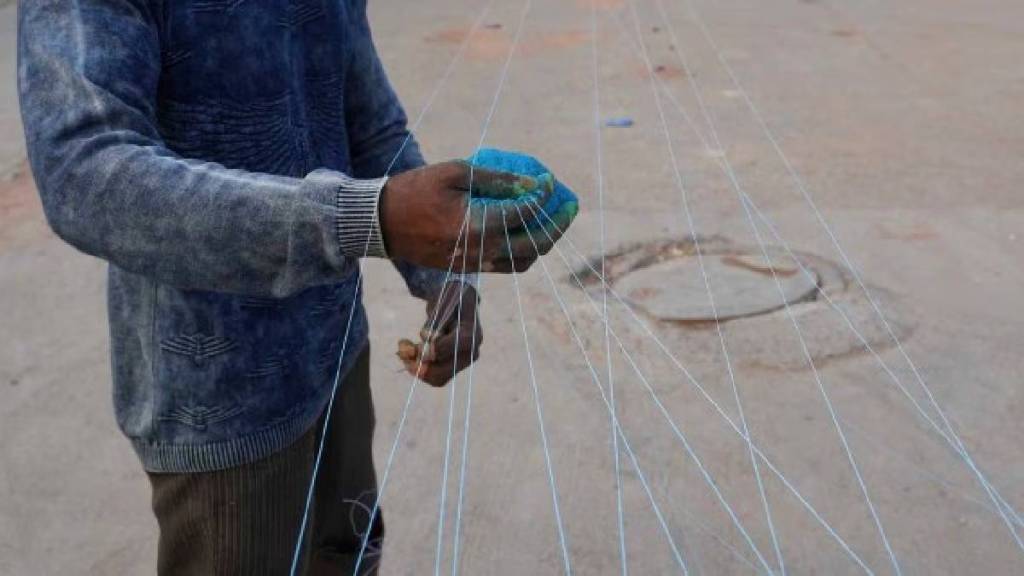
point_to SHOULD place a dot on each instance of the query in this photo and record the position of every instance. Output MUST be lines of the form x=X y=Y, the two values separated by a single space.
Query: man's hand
x=422 y=211
x=455 y=334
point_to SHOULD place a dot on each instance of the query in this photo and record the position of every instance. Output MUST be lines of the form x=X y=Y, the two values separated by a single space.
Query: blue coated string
x=707 y=285
x=695 y=383
x=796 y=326
x=708 y=479
x=490 y=115
x=348 y=325
x=953 y=438
x=536 y=401
x=617 y=429
x=599 y=172
x=810 y=275
x=405 y=409
x=825 y=396
x=700 y=258
x=441 y=508
x=469 y=405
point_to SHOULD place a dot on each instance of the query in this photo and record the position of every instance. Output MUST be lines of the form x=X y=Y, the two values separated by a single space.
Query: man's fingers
x=442 y=313
x=443 y=348
x=551 y=228
x=492 y=217
x=462 y=175
x=559 y=221
x=526 y=244
x=495 y=185
x=496 y=247
x=538 y=239
x=439 y=373
x=495 y=210
x=561 y=216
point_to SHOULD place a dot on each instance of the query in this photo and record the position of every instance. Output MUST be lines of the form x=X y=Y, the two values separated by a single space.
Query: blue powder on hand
x=561 y=199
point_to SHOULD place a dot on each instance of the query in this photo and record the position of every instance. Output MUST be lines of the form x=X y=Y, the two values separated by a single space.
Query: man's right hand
x=423 y=211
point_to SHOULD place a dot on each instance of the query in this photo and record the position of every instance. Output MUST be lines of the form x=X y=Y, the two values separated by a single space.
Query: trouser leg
x=347 y=489
x=245 y=520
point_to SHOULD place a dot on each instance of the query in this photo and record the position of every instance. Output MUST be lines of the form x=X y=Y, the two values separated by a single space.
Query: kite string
x=708 y=479
x=691 y=379
x=727 y=168
x=825 y=396
x=441 y=508
x=612 y=414
x=700 y=258
x=956 y=442
x=810 y=275
x=824 y=293
x=359 y=279
x=405 y=408
x=469 y=404
x=922 y=471
x=707 y=283
x=537 y=402
x=487 y=122
x=599 y=176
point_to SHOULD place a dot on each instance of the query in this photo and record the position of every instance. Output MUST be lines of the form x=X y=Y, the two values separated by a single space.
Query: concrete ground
x=904 y=119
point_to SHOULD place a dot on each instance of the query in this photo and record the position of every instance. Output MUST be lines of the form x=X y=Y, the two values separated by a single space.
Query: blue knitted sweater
x=225 y=157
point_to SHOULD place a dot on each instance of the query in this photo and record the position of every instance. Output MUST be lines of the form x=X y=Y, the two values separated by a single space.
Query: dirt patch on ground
x=663 y=71
x=913 y=232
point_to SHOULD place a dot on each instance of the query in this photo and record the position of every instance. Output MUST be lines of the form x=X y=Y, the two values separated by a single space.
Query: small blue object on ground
x=620 y=122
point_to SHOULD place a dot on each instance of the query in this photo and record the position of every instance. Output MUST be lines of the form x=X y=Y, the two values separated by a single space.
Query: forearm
x=201 y=226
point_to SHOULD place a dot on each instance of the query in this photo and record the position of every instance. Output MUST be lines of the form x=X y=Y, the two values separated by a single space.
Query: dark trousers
x=245 y=520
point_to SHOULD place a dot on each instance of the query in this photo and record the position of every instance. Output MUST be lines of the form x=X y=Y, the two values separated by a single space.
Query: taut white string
x=957 y=443
x=599 y=176
x=700 y=259
x=405 y=410
x=727 y=167
x=536 y=402
x=828 y=402
x=469 y=405
x=707 y=285
x=908 y=461
x=359 y=280
x=708 y=479
x=441 y=508
x=695 y=383
x=838 y=308
x=611 y=411
x=487 y=122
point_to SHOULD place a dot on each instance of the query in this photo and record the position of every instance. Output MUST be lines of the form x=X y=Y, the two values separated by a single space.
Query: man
x=229 y=159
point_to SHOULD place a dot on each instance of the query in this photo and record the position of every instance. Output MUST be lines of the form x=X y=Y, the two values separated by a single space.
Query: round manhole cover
x=662 y=281
x=673 y=289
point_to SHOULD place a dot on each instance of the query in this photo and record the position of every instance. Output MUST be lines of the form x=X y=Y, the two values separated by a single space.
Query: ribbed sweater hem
x=160 y=457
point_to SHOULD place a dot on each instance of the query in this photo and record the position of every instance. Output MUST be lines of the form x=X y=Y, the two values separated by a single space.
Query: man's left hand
x=448 y=343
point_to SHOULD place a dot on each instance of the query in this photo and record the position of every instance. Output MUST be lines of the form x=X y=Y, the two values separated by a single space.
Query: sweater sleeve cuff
x=357 y=222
